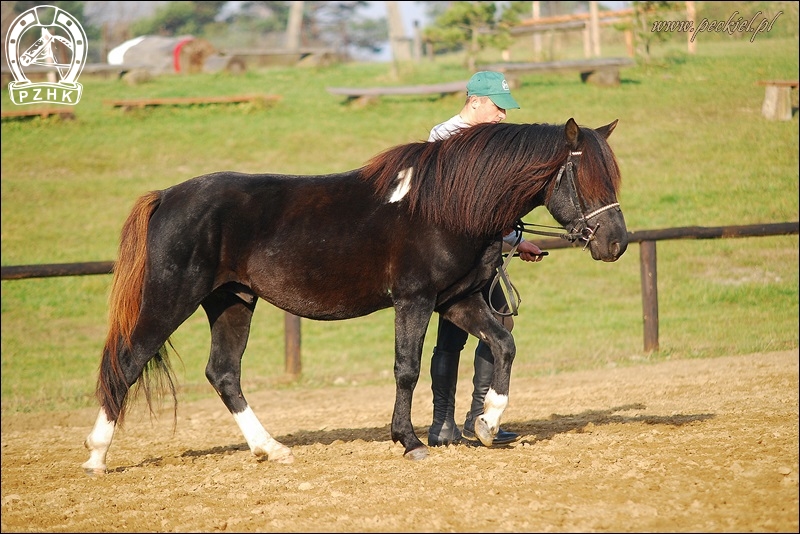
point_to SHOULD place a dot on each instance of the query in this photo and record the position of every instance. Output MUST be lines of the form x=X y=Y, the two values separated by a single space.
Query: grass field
x=691 y=143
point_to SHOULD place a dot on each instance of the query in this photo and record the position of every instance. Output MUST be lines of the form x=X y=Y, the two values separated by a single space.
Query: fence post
x=647 y=260
x=292 y=337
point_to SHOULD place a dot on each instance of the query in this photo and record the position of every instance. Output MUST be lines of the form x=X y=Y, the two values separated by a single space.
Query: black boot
x=484 y=368
x=444 y=377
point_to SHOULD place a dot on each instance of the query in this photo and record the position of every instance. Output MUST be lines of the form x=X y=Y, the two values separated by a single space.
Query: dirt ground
x=695 y=445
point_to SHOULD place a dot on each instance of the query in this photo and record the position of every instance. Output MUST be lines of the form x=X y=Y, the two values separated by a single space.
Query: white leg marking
x=404 y=179
x=259 y=440
x=98 y=443
x=487 y=425
x=493 y=407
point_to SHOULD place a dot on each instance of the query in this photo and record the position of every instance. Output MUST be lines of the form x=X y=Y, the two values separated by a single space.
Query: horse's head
x=583 y=196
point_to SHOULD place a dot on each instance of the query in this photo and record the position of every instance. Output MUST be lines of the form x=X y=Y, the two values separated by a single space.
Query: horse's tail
x=124 y=308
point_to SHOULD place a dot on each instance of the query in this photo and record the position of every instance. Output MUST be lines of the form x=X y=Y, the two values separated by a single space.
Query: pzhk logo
x=49 y=37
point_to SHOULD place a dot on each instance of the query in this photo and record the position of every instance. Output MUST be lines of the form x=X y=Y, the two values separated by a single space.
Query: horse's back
x=323 y=247
x=295 y=241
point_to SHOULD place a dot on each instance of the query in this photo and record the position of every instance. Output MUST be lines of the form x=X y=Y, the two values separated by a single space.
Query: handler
x=488 y=98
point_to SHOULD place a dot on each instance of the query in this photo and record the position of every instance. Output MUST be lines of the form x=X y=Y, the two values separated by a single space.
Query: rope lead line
x=511 y=294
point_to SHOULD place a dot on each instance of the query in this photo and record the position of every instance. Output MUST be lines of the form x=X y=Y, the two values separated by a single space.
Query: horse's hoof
x=484 y=432
x=282 y=456
x=95 y=472
x=420 y=453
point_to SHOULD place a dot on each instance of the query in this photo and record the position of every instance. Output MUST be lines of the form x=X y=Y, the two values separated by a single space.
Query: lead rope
x=511 y=294
x=513 y=300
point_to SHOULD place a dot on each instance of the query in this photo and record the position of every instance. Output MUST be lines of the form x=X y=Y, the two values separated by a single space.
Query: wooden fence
x=647 y=259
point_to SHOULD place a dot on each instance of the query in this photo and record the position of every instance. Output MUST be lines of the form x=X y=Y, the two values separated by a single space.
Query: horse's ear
x=573 y=132
x=606 y=130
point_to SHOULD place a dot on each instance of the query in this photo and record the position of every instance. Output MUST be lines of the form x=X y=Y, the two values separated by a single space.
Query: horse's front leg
x=473 y=315
x=411 y=321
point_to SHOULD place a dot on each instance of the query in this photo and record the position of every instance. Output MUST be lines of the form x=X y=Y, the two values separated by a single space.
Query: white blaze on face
x=403 y=185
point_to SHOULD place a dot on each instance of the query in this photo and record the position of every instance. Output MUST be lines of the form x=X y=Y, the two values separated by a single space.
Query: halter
x=582 y=230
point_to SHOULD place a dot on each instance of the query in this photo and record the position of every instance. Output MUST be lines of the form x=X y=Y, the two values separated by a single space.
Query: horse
x=431 y=216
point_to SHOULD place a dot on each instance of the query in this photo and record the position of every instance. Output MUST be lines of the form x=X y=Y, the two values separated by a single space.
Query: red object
x=176 y=53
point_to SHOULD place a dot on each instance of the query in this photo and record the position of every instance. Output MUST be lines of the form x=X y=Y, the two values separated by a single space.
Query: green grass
x=691 y=143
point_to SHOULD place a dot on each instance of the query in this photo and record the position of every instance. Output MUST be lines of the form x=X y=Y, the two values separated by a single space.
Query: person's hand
x=529 y=252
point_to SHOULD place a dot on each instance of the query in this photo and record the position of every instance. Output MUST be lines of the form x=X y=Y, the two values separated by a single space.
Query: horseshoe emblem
x=46 y=36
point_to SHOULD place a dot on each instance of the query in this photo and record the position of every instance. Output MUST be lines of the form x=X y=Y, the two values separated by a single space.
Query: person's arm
x=527 y=250
x=510 y=239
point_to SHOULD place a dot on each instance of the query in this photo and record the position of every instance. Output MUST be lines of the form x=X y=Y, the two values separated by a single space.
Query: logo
x=46 y=38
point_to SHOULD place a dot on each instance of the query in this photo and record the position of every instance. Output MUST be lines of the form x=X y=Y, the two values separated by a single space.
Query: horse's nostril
x=619 y=248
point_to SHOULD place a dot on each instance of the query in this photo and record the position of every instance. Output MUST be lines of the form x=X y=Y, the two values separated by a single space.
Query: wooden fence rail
x=647 y=259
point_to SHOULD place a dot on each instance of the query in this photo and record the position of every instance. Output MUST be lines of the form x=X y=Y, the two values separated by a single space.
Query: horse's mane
x=481 y=179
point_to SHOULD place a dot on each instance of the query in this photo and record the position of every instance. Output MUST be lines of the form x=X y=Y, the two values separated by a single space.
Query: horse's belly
x=327 y=305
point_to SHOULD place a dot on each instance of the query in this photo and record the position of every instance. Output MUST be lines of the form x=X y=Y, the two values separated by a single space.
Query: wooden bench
x=259 y=58
x=367 y=94
x=778 y=99
x=64 y=113
x=38 y=73
x=141 y=103
x=599 y=71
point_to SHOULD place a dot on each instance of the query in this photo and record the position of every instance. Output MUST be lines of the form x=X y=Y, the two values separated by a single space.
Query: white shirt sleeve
x=447 y=128
x=512 y=236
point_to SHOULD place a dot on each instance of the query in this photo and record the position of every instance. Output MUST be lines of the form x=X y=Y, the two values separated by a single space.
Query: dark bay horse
x=417 y=228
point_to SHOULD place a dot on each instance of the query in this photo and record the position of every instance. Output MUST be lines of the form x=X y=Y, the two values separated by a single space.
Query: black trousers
x=451 y=338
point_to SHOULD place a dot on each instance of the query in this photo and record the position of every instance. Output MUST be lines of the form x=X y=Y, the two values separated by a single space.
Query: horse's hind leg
x=98 y=443
x=230 y=310
x=146 y=342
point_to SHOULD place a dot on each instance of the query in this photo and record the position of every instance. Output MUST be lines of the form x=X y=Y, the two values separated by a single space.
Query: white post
x=690 y=16
x=537 y=37
x=594 y=24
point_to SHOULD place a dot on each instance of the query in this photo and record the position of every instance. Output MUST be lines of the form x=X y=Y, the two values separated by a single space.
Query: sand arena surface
x=691 y=445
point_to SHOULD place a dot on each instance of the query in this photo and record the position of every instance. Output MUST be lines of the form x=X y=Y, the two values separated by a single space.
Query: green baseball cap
x=493 y=85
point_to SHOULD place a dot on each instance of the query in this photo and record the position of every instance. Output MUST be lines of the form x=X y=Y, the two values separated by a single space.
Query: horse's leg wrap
x=98 y=443
x=259 y=440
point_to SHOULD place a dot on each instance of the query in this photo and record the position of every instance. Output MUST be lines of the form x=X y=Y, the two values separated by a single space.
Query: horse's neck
x=538 y=199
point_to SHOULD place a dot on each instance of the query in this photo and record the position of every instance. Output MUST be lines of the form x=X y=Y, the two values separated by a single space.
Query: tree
x=13 y=9
x=180 y=18
x=265 y=16
x=472 y=26
x=294 y=25
x=644 y=14
x=400 y=49
x=338 y=23
x=335 y=24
